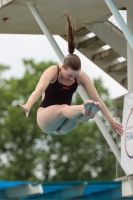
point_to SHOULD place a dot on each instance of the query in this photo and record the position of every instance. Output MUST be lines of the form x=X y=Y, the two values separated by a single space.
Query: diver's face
x=69 y=74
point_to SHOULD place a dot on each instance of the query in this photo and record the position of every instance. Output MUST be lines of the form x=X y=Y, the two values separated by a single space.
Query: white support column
x=82 y=93
x=129 y=50
x=121 y=22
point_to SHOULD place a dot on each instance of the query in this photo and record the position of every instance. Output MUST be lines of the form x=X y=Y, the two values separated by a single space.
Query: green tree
x=21 y=139
x=29 y=154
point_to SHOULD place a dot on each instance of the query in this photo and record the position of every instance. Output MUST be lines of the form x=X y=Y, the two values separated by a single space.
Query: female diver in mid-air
x=57 y=85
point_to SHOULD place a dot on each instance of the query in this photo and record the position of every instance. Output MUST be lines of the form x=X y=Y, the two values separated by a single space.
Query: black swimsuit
x=57 y=93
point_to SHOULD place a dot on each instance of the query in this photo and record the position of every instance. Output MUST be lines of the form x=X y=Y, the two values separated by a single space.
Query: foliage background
x=27 y=153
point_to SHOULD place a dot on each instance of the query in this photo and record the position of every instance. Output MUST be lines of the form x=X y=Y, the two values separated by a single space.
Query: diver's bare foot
x=87 y=107
x=94 y=109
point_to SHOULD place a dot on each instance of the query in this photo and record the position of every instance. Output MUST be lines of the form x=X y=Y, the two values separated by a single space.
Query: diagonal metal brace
x=121 y=22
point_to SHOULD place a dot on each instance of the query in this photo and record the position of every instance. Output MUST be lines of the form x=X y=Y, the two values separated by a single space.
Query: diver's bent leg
x=70 y=124
x=51 y=118
x=66 y=127
x=82 y=118
x=73 y=112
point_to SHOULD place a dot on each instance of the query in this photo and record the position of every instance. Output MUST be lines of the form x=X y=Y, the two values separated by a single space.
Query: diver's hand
x=25 y=108
x=117 y=127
